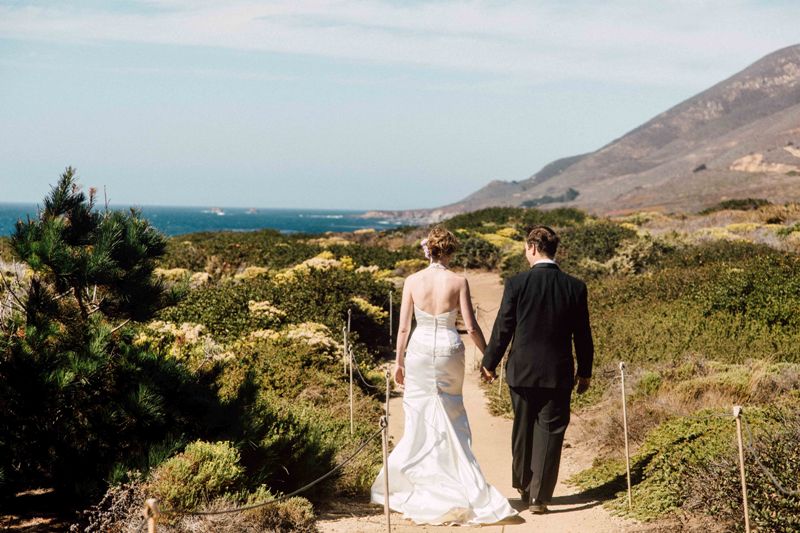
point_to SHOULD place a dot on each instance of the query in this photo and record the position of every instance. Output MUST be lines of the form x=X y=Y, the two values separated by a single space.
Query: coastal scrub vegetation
x=206 y=369
x=125 y=374
x=703 y=323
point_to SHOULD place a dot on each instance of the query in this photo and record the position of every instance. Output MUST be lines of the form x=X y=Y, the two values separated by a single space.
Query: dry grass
x=682 y=389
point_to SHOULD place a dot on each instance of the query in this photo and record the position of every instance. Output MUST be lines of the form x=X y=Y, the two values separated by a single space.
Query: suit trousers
x=541 y=416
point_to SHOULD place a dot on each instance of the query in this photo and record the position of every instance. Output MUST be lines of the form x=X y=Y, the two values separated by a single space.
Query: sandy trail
x=570 y=511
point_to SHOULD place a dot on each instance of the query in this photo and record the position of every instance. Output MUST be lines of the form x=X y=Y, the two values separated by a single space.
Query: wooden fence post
x=352 y=424
x=625 y=428
x=391 y=318
x=737 y=414
x=385 y=445
x=151 y=514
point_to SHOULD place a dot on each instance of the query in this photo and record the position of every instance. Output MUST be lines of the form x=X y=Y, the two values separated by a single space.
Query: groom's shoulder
x=572 y=280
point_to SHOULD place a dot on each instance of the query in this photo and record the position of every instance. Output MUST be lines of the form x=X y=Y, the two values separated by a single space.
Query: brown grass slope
x=739 y=138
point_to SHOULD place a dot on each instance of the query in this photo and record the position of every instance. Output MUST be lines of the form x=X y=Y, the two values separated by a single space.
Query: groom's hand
x=582 y=384
x=488 y=375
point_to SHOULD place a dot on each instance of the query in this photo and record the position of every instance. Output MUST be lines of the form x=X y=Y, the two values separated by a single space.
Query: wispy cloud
x=670 y=42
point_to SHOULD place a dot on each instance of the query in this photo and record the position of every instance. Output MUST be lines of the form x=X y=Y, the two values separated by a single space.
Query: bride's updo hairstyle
x=441 y=243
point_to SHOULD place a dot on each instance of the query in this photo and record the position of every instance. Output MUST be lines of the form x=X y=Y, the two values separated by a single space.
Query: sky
x=345 y=104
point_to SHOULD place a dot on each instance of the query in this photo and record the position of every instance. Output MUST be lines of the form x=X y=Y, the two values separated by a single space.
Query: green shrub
x=489 y=219
x=476 y=253
x=225 y=252
x=783 y=232
x=649 y=383
x=705 y=253
x=556 y=218
x=513 y=264
x=598 y=241
x=5 y=249
x=290 y=516
x=776 y=449
x=738 y=204
x=310 y=296
x=366 y=255
x=295 y=515
x=567 y=196
x=202 y=472
x=660 y=468
x=586 y=247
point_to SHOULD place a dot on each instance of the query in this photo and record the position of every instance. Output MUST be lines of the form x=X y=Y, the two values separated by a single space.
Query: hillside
x=736 y=139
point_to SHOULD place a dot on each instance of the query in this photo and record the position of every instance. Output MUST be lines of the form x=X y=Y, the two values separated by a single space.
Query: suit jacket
x=545 y=311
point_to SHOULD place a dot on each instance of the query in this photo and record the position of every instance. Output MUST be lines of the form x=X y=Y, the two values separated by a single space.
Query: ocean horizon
x=179 y=220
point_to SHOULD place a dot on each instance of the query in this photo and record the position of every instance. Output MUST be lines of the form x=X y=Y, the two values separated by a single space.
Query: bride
x=434 y=477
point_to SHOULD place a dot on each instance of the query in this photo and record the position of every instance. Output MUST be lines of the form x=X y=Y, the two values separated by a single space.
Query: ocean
x=180 y=220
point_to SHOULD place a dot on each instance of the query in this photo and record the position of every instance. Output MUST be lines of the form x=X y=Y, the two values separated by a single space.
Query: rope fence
x=738 y=415
x=152 y=512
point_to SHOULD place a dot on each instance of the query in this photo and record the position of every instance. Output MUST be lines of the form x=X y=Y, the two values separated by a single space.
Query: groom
x=545 y=311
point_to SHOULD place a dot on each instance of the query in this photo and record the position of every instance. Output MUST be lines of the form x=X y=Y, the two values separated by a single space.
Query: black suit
x=545 y=311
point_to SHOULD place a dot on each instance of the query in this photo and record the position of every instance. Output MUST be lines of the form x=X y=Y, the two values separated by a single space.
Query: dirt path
x=570 y=511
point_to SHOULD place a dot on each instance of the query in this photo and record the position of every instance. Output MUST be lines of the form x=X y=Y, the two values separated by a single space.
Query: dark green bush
x=777 y=449
x=316 y=296
x=474 y=252
x=489 y=219
x=556 y=218
x=366 y=255
x=661 y=468
x=125 y=404
x=728 y=252
x=737 y=204
x=567 y=196
x=225 y=252
x=599 y=241
x=5 y=249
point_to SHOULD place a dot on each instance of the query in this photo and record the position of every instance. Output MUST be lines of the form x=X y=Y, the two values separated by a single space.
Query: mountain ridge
x=740 y=137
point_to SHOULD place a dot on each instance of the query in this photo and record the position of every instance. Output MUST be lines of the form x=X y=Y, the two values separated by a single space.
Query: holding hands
x=488 y=375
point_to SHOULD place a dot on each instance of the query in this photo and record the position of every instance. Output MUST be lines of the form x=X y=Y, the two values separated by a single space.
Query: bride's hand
x=399 y=374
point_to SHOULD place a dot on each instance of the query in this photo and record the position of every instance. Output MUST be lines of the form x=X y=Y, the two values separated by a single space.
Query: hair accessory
x=425 y=248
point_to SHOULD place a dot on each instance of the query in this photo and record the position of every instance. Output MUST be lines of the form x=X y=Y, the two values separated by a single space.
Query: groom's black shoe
x=538 y=507
x=524 y=495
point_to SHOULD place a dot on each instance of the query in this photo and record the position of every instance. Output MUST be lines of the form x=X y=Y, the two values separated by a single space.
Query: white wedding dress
x=433 y=476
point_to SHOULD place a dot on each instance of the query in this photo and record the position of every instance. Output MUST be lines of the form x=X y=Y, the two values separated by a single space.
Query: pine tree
x=79 y=399
x=100 y=260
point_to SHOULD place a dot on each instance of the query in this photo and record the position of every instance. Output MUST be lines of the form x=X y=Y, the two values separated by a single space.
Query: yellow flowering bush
x=409 y=266
x=252 y=272
x=509 y=233
x=172 y=275
x=186 y=342
x=497 y=240
x=372 y=311
x=265 y=309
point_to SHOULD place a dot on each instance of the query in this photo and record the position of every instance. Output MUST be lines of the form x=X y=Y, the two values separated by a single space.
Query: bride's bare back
x=435 y=290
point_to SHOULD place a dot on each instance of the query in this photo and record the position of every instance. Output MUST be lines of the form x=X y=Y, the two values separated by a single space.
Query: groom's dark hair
x=545 y=240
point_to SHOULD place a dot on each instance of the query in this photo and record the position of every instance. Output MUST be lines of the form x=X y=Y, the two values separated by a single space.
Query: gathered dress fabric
x=434 y=477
